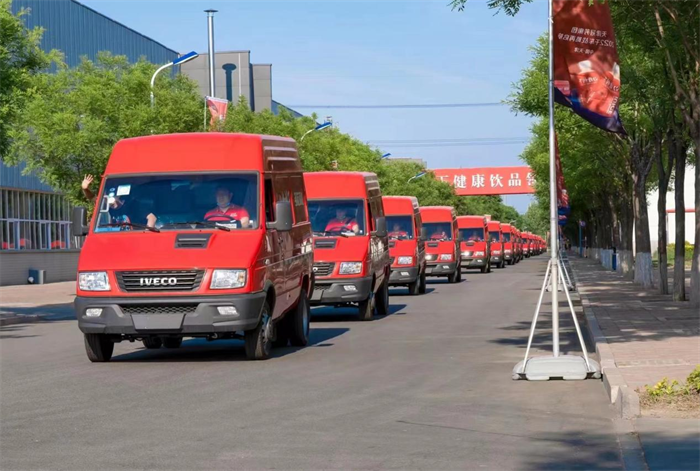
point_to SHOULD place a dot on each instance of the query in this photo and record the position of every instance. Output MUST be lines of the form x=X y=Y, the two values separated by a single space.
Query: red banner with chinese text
x=586 y=65
x=562 y=196
x=488 y=180
x=217 y=109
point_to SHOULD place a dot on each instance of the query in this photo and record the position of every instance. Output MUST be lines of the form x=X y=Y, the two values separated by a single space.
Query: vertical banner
x=586 y=67
x=217 y=109
x=562 y=196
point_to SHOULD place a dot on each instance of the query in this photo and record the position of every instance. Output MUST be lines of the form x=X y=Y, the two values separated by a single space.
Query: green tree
x=70 y=126
x=20 y=58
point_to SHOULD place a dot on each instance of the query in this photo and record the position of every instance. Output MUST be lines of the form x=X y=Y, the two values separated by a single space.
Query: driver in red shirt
x=397 y=232
x=342 y=223
x=226 y=211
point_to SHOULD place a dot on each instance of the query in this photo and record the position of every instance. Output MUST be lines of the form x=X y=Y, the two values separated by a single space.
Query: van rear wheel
x=152 y=343
x=99 y=347
x=300 y=321
x=258 y=341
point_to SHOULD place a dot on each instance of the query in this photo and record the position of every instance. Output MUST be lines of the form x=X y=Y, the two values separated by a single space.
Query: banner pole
x=553 y=217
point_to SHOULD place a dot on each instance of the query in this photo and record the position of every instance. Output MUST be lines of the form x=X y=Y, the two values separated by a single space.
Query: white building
x=671 y=215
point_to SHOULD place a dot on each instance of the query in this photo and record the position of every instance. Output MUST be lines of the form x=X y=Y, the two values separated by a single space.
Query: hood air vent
x=325 y=243
x=192 y=241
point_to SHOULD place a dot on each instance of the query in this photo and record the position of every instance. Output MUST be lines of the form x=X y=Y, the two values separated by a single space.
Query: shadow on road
x=349 y=314
x=201 y=350
x=398 y=291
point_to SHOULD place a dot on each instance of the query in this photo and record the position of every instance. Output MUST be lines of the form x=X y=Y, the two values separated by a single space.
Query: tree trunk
x=664 y=177
x=695 y=267
x=679 y=190
x=642 y=257
x=626 y=235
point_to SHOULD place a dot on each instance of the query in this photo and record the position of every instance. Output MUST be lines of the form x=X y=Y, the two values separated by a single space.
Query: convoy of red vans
x=239 y=242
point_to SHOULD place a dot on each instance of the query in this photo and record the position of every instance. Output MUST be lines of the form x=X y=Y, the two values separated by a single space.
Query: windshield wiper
x=131 y=224
x=204 y=223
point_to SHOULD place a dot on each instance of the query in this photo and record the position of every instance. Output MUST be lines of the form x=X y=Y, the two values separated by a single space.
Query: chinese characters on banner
x=586 y=68
x=562 y=196
x=217 y=109
x=488 y=180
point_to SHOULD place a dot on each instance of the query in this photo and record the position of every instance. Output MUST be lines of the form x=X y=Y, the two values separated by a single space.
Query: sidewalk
x=31 y=303
x=642 y=337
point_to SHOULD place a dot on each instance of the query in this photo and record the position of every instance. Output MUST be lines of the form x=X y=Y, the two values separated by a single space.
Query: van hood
x=156 y=251
x=401 y=248
x=476 y=246
x=347 y=249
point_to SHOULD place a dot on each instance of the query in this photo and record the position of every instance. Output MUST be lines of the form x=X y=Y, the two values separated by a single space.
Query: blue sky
x=372 y=52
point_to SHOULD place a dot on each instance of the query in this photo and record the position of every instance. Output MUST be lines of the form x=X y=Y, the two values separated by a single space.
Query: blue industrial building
x=34 y=219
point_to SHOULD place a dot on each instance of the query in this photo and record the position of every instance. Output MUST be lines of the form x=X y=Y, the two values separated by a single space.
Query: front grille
x=173 y=280
x=432 y=244
x=159 y=309
x=318 y=287
x=323 y=268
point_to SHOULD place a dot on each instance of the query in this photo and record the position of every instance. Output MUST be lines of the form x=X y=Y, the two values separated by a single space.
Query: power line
x=406 y=106
x=443 y=140
x=457 y=144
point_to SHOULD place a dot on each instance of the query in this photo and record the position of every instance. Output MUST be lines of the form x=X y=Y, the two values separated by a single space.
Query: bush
x=671 y=251
x=665 y=389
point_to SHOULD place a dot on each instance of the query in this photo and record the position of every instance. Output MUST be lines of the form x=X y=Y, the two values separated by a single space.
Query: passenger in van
x=440 y=233
x=397 y=232
x=342 y=223
x=227 y=211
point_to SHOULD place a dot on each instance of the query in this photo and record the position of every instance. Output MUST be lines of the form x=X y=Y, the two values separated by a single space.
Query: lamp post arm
x=153 y=80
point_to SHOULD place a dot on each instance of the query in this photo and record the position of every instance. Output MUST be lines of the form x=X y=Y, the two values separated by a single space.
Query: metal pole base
x=566 y=367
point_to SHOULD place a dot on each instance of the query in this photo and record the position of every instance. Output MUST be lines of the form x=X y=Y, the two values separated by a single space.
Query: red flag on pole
x=562 y=196
x=217 y=109
x=586 y=65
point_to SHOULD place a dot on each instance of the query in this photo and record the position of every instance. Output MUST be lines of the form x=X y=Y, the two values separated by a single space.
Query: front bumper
x=469 y=262
x=403 y=276
x=187 y=315
x=440 y=268
x=508 y=257
x=496 y=259
x=333 y=291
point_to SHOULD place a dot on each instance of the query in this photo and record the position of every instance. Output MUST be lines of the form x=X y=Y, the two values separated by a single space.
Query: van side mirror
x=381 y=227
x=79 y=224
x=423 y=234
x=284 y=221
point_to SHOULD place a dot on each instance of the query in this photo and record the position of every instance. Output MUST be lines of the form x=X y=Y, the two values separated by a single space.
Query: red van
x=496 y=243
x=476 y=243
x=351 y=246
x=527 y=244
x=196 y=235
x=442 y=246
x=406 y=242
x=517 y=245
x=509 y=250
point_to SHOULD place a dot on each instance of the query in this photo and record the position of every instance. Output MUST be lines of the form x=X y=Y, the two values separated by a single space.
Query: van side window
x=370 y=217
x=269 y=201
x=298 y=200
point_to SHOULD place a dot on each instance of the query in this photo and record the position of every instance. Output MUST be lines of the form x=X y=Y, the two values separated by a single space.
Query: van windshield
x=474 y=234
x=506 y=237
x=438 y=230
x=177 y=202
x=400 y=227
x=337 y=217
x=494 y=236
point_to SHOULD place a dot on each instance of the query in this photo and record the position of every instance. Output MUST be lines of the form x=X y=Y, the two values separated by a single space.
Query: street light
x=180 y=60
x=386 y=156
x=422 y=174
x=317 y=128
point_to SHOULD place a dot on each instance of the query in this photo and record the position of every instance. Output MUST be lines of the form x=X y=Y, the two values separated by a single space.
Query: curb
x=622 y=397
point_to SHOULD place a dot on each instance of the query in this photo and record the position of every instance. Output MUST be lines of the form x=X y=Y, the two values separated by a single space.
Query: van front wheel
x=383 y=298
x=258 y=342
x=366 y=308
x=99 y=347
x=152 y=343
x=422 y=288
x=301 y=318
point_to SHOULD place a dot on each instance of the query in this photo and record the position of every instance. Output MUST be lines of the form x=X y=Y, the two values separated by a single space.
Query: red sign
x=562 y=195
x=217 y=109
x=586 y=66
x=488 y=180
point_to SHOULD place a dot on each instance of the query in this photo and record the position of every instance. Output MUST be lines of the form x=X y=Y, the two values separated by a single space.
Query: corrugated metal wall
x=77 y=30
x=60 y=265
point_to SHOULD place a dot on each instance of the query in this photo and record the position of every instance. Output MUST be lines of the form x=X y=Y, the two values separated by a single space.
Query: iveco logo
x=158 y=281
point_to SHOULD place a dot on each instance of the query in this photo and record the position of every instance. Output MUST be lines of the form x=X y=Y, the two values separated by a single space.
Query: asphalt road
x=427 y=387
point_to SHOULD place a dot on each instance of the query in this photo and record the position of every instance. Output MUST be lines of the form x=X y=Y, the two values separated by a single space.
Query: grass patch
x=673 y=398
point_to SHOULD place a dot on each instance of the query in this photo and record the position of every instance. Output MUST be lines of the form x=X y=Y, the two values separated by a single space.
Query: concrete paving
x=427 y=387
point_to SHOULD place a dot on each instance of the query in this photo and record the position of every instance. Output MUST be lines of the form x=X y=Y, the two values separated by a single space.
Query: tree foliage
x=20 y=58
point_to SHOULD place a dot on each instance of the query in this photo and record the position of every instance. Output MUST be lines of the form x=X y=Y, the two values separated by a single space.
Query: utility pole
x=210 y=31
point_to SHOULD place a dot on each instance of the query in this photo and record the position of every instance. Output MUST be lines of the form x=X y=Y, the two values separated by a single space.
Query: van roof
x=436 y=213
x=494 y=224
x=471 y=221
x=507 y=227
x=340 y=184
x=400 y=204
x=204 y=151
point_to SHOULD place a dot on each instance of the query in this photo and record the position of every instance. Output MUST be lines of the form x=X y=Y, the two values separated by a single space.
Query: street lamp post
x=422 y=174
x=317 y=128
x=386 y=156
x=180 y=60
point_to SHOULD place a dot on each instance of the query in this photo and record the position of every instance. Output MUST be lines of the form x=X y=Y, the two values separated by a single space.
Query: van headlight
x=350 y=268
x=227 y=279
x=478 y=254
x=445 y=257
x=405 y=261
x=93 y=281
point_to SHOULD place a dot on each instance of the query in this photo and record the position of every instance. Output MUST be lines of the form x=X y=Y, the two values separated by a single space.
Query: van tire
x=383 y=298
x=453 y=277
x=422 y=285
x=152 y=343
x=258 y=344
x=172 y=342
x=366 y=308
x=300 y=320
x=484 y=269
x=459 y=273
x=414 y=288
x=99 y=347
